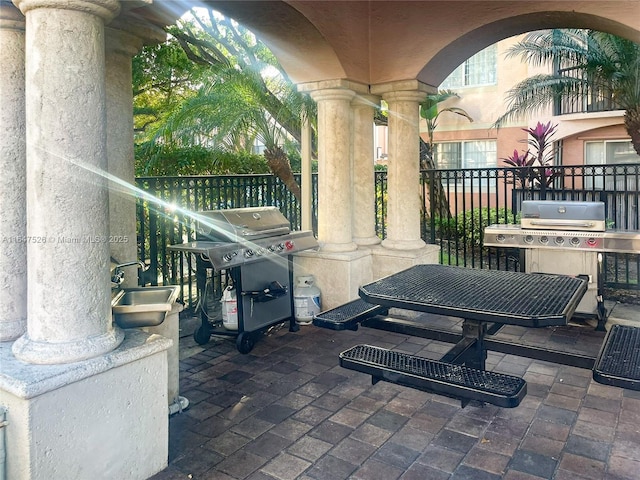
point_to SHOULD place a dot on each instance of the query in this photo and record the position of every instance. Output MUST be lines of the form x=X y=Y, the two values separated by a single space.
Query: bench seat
x=348 y=315
x=447 y=379
x=618 y=363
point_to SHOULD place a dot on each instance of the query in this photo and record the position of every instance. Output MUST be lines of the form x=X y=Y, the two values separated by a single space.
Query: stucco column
x=67 y=200
x=123 y=42
x=364 y=211
x=403 y=173
x=306 y=183
x=334 y=169
x=13 y=204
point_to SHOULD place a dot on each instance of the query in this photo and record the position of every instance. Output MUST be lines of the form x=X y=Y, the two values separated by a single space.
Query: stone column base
x=338 y=275
x=387 y=262
x=102 y=418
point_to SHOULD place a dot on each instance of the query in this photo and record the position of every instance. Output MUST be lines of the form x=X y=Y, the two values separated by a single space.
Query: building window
x=476 y=71
x=609 y=152
x=258 y=147
x=467 y=155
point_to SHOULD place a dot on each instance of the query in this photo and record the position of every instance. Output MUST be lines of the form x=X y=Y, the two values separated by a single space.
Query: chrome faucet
x=118 y=275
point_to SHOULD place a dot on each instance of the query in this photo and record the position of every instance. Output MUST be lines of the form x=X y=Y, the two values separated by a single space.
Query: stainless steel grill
x=254 y=246
x=566 y=237
x=238 y=236
x=563 y=225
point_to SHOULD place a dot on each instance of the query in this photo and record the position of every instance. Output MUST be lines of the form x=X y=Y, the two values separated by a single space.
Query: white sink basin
x=143 y=306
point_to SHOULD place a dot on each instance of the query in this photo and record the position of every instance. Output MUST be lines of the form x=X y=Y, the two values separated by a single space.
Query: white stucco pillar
x=364 y=221
x=403 y=174
x=306 y=175
x=13 y=227
x=123 y=42
x=69 y=311
x=334 y=170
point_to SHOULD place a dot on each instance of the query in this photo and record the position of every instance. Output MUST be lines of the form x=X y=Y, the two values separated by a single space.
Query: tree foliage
x=218 y=87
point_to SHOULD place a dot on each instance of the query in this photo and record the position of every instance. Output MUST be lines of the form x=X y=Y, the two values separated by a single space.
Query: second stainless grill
x=566 y=237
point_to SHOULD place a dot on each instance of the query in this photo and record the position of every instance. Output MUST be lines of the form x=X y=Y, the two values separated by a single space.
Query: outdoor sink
x=143 y=306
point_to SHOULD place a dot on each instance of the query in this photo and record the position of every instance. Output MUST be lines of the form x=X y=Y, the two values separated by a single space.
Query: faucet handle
x=118 y=276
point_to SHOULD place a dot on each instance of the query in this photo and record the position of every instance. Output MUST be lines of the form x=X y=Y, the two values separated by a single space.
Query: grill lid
x=563 y=215
x=237 y=224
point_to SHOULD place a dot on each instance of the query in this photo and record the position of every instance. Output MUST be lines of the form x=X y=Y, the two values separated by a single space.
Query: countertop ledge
x=28 y=381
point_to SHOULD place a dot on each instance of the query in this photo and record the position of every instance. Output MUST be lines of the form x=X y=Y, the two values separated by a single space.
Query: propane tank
x=306 y=299
x=229 y=308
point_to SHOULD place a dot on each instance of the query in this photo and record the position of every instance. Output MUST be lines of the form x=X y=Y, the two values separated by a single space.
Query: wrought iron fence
x=454 y=216
x=165 y=217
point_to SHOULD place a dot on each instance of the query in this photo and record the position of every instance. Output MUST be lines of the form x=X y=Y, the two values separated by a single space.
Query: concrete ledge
x=28 y=381
x=387 y=261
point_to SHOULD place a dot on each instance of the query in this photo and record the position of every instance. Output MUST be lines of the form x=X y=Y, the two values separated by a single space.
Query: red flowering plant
x=523 y=164
x=535 y=169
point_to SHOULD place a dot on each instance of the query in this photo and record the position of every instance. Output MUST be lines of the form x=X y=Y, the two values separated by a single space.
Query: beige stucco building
x=85 y=399
x=588 y=136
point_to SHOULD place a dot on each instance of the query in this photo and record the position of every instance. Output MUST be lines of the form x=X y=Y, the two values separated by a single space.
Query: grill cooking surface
x=237 y=236
x=486 y=295
x=237 y=224
x=563 y=215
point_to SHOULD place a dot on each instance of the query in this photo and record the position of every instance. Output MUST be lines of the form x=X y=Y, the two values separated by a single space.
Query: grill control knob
x=559 y=240
x=528 y=239
x=592 y=242
x=227 y=257
x=501 y=238
x=544 y=239
x=280 y=247
x=575 y=241
x=248 y=253
x=289 y=245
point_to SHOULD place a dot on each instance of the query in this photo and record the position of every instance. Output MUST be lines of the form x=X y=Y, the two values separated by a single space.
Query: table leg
x=477 y=356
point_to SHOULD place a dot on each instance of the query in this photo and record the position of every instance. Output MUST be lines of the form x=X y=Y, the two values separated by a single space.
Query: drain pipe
x=3 y=450
x=178 y=406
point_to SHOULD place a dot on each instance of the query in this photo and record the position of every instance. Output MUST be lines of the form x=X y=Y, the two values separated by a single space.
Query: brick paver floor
x=288 y=411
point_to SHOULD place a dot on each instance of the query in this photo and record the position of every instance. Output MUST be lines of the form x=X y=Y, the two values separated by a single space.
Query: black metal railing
x=587 y=98
x=453 y=216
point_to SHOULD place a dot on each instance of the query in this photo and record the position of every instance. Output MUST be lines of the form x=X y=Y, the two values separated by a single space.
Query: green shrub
x=153 y=160
x=467 y=227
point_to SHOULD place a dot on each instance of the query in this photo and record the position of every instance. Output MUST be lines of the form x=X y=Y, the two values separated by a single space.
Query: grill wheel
x=245 y=342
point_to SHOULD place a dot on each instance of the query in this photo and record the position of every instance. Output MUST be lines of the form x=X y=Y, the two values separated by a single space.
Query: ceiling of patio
x=373 y=42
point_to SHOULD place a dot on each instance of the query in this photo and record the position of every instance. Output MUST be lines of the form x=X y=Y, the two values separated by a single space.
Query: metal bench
x=618 y=363
x=349 y=315
x=447 y=379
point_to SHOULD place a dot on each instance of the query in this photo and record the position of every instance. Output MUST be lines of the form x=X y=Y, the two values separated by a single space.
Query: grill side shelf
x=432 y=376
x=618 y=363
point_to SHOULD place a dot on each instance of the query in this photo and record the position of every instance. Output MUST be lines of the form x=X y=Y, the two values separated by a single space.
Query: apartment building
x=587 y=134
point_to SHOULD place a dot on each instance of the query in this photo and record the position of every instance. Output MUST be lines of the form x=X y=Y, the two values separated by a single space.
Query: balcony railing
x=586 y=98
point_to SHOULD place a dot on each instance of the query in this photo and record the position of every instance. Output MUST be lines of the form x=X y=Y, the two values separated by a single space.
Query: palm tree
x=583 y=61
x=431 y=110
x=228 y=113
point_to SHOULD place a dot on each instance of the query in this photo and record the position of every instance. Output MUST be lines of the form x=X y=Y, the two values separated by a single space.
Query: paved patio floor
x=288 y=411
